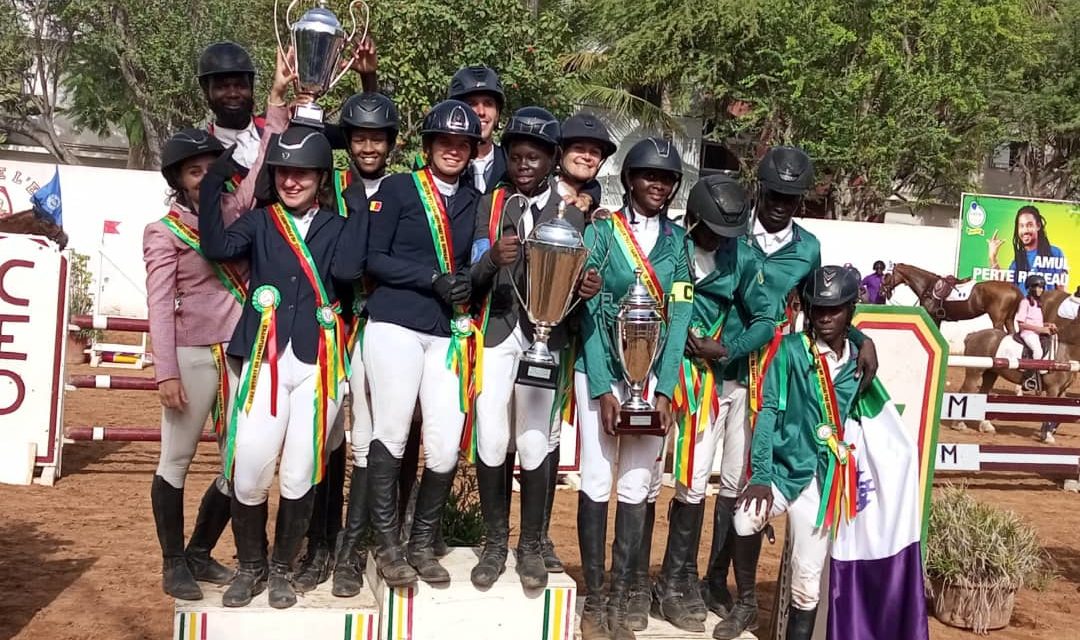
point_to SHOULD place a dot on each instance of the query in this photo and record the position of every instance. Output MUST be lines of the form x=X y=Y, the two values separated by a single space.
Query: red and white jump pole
x=109 y=323
x=122 y=434
x=988 y=362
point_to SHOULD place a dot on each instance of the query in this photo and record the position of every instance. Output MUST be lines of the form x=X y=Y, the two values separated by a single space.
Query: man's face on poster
x=1028 y=228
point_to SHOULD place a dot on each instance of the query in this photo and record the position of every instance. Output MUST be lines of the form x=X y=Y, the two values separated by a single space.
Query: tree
x=34 y=45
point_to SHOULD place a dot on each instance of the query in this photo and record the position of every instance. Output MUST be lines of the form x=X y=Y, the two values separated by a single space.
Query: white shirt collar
x=770 y=242
x=564 y=189
x=540 y=201
x=371 y=185
x=480 y=166
x=246 y=141
x=834 y=360
x=447 y=189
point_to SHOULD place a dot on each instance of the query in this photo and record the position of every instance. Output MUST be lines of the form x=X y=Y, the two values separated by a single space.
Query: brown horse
x=999 y=300
x=29 y=223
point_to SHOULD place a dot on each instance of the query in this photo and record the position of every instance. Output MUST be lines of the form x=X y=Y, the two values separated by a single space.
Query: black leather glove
x=462 y=290
x=443 y=285
x=223 y=167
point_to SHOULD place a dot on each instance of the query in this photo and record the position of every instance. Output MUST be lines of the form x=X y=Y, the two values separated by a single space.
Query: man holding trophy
x=549 y=272
x=634 y=332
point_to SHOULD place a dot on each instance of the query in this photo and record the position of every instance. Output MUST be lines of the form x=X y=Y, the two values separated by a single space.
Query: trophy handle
x=352 y=35
x=277 y=32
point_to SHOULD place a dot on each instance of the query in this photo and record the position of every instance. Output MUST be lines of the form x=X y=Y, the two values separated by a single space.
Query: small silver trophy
x=637 y=344
x=317 y=39
x=555 y=255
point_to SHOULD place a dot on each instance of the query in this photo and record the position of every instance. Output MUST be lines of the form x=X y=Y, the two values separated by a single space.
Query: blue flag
x=46 y=200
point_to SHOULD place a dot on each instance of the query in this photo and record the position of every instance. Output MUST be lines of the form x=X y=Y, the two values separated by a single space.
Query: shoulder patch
x=682 y=292
x=375 y=206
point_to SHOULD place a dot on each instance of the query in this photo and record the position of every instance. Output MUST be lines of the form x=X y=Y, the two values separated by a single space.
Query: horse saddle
x=1049 y=346
x=944 y=286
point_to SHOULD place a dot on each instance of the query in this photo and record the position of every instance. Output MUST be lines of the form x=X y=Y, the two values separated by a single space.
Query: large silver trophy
x=317 y=39
x=637 y=343
x=555 y=256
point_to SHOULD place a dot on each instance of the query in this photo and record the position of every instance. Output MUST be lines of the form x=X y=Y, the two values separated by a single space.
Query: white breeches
x=810 y=544
x=402 y=365
x=501 y=402
x=634 y=457
x=182 y=428
x=261 y=436
x=360 y=436
x=729 y=434
x=1031 y=339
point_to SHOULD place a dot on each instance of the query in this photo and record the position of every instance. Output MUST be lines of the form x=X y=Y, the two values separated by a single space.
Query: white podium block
x=664 y=630
x=460 y=610
x=317 y=615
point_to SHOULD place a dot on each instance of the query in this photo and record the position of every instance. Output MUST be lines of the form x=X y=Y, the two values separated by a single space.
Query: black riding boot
x=492 y=484
x=671 y=587
x=547 y=547
x=434 y=492
x=743 y=615
x=382 y=499
x=592 y=540
x=315 y=566
x=640 y=600
x=351 y=556
x=293 y=517
x=210 y=522
x=249 y=529
x=714 y=587
x=168 y=504
x=692 y=600
x=410 y=466
x=530 y=564
x=800 y=624
x=630 y=527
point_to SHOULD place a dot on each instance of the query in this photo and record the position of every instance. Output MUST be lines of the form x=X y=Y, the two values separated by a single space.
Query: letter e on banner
x=33 y=328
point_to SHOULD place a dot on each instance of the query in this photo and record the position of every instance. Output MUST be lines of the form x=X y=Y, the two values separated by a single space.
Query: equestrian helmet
x=222 y=58
x=586 y=126
x=720 y=202
x=652 y=153
x=185 y=144
x=832 y=286
x=532 y=123
x=370 y=110
x=1034 y=280
x=302 y=148
x=786 y=170
x=477 y=79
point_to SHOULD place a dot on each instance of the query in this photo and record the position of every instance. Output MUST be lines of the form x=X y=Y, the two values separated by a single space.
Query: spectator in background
x=872 y=284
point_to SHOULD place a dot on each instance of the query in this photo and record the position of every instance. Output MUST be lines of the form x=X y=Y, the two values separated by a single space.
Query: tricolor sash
x=638 y=260
x=333 y=358
x=760 y=360
x=221 y=399
x=696 y=404
x=465 y=355
x=189 y=235
x=343 y=178
x=840 y=487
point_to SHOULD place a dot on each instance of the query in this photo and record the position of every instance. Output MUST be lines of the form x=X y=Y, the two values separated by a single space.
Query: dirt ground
x=80 y=560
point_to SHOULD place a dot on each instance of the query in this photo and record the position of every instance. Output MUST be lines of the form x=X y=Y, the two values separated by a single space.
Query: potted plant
x=80 y=303
x=977 y=557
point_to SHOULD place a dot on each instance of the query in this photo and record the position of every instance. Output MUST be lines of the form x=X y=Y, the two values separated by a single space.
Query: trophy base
x=538 y=374
x=644 y=422
x=309 y=115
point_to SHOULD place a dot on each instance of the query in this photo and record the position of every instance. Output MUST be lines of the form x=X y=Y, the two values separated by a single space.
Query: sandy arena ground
x=80 y=560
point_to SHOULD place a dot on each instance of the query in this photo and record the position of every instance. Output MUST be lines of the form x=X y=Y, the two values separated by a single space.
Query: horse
x=999 y=300
x=30 y=223
x=989 y=342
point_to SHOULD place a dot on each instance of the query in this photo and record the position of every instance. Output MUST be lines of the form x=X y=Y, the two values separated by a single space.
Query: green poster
x=1006 y=238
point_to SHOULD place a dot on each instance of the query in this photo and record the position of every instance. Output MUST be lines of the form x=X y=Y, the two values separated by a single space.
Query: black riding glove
x=444 y=285
x=462 y=290
x=223 y=167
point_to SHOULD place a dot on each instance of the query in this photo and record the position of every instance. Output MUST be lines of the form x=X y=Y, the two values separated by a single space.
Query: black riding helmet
x=653 y=153
x=370 y=110
x=586 y=126
x=185 y=144
x=786 y=170
x=532 y=123
x=301 y=147
x=452 y=117
x=477 y=79
x=720 y=202
x=831 y=286
x=222 y=58
x=1034 y=280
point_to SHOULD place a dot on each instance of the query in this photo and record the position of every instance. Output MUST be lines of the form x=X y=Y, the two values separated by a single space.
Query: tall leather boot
x=625 y=559
x=168 y=504
x=293 y=518
x=592 y=540
x=743 y=615
x=492 y=484
x=410 y=466
x=547 y=547
x=351 y=556
x=530 y=564
x=249 y=529
x=315 y=566
x=800 y=624
x=671 y=586
x=382 y=498
x=692 y=599
x=434 y=492
x=640 y=600
x=714 y=588
x=213 y=517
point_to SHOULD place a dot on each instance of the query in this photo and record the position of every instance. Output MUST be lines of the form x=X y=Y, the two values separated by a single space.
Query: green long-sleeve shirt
x=669 y=259
x=784 y=451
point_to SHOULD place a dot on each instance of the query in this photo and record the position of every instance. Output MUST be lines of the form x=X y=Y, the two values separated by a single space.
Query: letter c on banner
x=4 y=295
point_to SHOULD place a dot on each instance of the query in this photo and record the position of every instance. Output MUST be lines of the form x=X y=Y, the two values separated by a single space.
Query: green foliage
x=80 y=299
x=463 y=521
x=976 y=545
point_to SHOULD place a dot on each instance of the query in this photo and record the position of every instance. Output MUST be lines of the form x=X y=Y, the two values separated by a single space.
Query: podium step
x=318 y=615
x=663 y=630
x=460 y=610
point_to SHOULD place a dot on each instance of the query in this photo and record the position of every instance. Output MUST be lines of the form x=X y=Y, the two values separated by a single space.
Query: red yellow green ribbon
x=265 y=300
x=839 y=499
x=638 y=260
x=466 y=353
x=696 y=404
x=189 y=235
x=760 y=360
x=333 y=358
x=221 y=399
x=343 y=178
